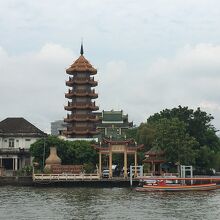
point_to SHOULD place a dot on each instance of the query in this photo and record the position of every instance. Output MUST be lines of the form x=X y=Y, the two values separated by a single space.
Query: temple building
x=113 y=124
x=16 y=136
x=81 y=121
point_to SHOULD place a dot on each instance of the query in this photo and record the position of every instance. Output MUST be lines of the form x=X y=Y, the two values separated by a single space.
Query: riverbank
x=16 y=181
x=114 y=182
x=28 y=181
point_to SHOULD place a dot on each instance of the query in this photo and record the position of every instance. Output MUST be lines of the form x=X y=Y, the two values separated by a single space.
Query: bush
x=89 y=167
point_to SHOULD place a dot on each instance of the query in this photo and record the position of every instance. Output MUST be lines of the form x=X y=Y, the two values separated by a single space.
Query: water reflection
x=105 y=203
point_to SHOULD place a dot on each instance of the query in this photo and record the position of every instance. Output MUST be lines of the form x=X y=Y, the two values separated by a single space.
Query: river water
x=105 y=203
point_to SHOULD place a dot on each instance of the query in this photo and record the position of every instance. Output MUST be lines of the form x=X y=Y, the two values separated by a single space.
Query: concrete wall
x=16 y=181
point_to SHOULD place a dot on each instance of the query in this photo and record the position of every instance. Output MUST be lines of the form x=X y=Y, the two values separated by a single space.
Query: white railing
x=67 y=177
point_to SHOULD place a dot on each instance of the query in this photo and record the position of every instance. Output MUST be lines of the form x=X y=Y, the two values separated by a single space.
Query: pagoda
x=81 y=121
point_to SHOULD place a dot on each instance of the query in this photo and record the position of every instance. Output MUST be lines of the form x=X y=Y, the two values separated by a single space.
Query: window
x=5 y=140
x=11 y=142
x=27 y=139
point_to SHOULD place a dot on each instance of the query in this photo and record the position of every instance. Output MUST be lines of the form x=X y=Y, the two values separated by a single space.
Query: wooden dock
x=64 y=177
x=96 y=180
x=211 y=179
x=80 y=180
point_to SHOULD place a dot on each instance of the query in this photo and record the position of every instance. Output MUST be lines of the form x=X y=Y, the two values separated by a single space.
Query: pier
x=81 y=180
x=64 y=177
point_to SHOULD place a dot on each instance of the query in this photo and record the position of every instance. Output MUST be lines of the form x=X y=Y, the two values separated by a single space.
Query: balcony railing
x=12 y=150
x=82 y=80
x=81 y=105
x=80 y=130
x=81 y=92
x=80 y=117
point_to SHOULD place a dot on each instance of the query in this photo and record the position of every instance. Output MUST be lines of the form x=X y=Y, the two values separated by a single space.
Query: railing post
x=131 y=172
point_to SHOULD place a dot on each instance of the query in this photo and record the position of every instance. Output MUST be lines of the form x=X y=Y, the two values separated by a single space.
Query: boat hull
x=169 y=188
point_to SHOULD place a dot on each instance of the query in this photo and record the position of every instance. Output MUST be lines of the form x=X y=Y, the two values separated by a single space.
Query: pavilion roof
x=81 y=65
x=112 y=116
x=127 y=141
x=155 y=151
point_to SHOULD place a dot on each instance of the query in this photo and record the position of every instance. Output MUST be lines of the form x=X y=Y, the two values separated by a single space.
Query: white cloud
x=190 y=78
x=137 y=46
x=210 y=106
x=54 y=53
x=33 y=85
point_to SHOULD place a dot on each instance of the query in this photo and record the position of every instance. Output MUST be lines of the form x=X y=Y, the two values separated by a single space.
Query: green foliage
x=25 y=171
x=172 y=138
x=144 y=134
x=216 y=161
x=198 y=124
x=83 y=152
x=132 y=133
x=89 y=167
x=70 y=152
x=47 y=171
x=185 y=135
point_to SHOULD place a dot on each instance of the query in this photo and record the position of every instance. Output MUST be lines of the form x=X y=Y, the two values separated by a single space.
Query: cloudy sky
x=150 y=55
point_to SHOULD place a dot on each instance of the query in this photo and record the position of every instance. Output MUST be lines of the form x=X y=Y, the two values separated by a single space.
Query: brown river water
x=105 y=203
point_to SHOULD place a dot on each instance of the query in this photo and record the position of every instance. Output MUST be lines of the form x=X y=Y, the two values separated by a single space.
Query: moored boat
x=162 y=186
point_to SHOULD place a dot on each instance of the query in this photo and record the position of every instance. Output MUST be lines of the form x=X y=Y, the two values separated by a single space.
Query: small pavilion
x=109 y=147
x=155 y=158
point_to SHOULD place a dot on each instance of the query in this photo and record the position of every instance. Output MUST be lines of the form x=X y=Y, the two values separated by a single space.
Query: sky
x=150 y=55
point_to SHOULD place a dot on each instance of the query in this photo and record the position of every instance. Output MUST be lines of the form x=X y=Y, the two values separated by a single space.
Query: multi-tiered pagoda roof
x=81 y=120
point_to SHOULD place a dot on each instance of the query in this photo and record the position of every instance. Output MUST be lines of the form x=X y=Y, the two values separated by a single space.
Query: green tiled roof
x=112 y=116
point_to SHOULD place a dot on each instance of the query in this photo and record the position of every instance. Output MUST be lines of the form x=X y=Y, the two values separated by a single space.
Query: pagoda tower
x=81 y=121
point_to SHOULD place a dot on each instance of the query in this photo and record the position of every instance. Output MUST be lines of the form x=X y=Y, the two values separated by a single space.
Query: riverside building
x=16 y=136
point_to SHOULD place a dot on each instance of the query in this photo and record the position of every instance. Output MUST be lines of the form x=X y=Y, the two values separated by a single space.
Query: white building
x=16 y=136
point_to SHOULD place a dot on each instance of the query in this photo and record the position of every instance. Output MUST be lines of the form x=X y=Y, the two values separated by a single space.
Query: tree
x=198 y=125
x=132 y=133
x=172 y=137
x=206 y=159
x=185 y=134
x=70 y=152
x=146 y=135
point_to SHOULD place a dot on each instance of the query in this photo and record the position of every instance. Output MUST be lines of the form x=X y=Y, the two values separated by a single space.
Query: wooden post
x=20 y=163
x=154 y=169
x=16 y=163
x=110 y=161
x=13 y=164
x=125 y=163
x=135 y=164
x=100 y=163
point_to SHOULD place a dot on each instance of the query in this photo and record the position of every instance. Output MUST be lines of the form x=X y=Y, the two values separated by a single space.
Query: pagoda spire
x=81 y=49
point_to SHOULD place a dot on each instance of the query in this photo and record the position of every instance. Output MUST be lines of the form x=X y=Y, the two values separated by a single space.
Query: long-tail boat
x=161 y=185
